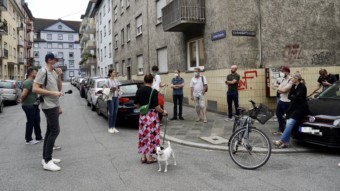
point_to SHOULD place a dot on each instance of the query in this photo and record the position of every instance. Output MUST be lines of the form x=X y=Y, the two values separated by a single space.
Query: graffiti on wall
x=243 y=83
x=323 y=58
x=292 y=52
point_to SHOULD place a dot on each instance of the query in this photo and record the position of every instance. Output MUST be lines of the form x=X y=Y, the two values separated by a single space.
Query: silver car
x=92 y=94
x=1 y=103
x=11 y=90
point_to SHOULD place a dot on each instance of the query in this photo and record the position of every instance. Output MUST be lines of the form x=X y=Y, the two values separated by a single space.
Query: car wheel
x=97 y=109
x=93 y=107
x=1 y=107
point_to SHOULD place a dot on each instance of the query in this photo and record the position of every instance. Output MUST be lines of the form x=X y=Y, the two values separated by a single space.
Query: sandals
x=280 y=144
x=151 y=160
x=143 y=160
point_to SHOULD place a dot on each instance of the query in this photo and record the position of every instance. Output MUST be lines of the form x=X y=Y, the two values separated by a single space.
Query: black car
x=127 y=109
x=322 y=126
x=82 y=87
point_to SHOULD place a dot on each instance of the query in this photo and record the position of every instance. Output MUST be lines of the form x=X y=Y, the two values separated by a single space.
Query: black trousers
x=52 y=132
x=178 y=100
x=33 y=122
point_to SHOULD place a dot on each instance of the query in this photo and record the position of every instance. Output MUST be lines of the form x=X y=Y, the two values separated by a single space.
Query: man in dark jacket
x=325 y=80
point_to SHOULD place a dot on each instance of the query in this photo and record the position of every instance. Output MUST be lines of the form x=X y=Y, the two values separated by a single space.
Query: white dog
x=163 y=155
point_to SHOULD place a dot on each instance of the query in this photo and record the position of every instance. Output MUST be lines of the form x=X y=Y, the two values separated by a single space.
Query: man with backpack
x=198 y=87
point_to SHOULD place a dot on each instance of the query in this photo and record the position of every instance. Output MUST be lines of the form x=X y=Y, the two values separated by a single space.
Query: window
x=122 y=6
x=70 y=37
x=109 y=24
x=36 y=45
x=127 y=4
x=60 y=54
x=49 y=45
x=60 y=27
x=71 y=55
x=14 y=52
x=104 y=31
x=100 y=18
x=101 y=53
x=36 y=54
x=124 y=68
x=162 y=60
x=101 y=36
x=122 y=37
x=108 y=6
x=60 y=45
x=71 y=74
x=110 y=50
x=195 y=54
x=159 y=5
x=70 y=46
x=116 y=41
x=115 y=13
x=128 y=33
x=140 y=63
x=60 y=37
x=117 y=67
x=139 y=25
x=105 y=51
x=71 y=63
x=36 y=63
x=49 y=36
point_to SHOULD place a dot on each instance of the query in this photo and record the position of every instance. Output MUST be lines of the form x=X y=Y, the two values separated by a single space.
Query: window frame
x=196 y=40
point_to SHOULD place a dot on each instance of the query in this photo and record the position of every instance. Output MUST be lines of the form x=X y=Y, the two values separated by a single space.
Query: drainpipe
x=260 y=32
x=147 y=21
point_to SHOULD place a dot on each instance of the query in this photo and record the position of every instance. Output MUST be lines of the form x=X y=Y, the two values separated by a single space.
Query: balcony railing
x=183 y=15
x=20 y=26
x=20 y=60
x=90 y=45
x=3 y=5
x=29 y=45
x=90 y=28
x=28 y=28
x=20 y=43
x=3 y=28
x=91 y=61
x=3 y=53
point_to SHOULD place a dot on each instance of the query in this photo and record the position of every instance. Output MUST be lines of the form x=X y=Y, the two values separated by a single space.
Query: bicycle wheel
x=249 y=153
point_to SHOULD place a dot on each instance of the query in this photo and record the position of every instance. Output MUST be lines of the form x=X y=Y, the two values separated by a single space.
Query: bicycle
x=249 y=147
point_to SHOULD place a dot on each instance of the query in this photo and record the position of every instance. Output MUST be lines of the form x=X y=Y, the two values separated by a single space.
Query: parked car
x=126 y=109
x=78 y=80
x=92 y=95
x=322 y=126
x=1 y=102
x=73 y=80
x=88 y=84
x=82 y=87
x=11 y=90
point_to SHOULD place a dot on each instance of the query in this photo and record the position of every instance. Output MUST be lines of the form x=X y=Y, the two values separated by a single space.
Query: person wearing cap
x=325 y=80
x=298 y=109
x=282 y=106
x=51 y=93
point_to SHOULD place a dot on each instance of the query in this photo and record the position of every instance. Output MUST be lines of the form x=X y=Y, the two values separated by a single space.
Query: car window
x=6 y=85
x=100 y=84
x=331 y=92
x=129 y=89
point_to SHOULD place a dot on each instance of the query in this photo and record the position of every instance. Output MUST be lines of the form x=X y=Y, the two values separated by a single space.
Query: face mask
x=154 y=73
x=196 y=74
x=282 y=75
x=176 y=75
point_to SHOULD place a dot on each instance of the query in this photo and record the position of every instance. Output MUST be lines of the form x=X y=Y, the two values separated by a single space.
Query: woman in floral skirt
x=149 y=124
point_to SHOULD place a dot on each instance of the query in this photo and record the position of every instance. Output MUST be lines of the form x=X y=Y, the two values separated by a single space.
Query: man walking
x=177 y=84
x=232 y=94
x=31 y=109
x=283 y=104
x=48 y=84
x=198 y=86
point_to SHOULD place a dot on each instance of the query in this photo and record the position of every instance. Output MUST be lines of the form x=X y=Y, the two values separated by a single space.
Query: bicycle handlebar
x=253 y=103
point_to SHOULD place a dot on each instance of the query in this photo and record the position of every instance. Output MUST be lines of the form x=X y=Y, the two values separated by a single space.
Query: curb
x=225 y=148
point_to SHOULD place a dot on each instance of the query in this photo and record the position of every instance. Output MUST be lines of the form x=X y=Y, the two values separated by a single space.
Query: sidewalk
x=213 y=135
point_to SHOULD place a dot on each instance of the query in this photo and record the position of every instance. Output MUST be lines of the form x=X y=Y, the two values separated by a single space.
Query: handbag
x=107 y=96
x=203 y=84
x=145 y=108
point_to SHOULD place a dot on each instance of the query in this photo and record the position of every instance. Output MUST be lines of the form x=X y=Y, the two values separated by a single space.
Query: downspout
x=148 y=38
x=260 y=33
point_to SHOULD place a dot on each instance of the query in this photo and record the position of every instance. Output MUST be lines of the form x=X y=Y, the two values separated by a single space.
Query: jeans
x=281 y=109
x=178 y=98
x=52 y=132
x=112 y=106
x=230 y=98
x=288 y=130
x=33 y=122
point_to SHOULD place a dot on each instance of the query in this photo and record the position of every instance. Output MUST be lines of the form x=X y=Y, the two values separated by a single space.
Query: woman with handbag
x=110 y=91
x=149 y=125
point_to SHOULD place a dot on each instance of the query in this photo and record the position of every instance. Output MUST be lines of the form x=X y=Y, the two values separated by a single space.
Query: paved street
x=96 y=160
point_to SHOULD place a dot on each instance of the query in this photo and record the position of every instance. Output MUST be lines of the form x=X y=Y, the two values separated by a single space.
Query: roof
x=41 y=24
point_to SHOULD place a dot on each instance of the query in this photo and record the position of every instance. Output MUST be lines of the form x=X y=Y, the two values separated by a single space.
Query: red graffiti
x=243 y=83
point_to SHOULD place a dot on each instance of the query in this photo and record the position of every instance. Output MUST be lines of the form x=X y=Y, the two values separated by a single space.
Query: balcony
x=29 y=45
x=90 y=45
x=20 y=60
x=184 y=15
x=85 y=37
x=28 y=28
x=3 y=53
x=91 y=61
x=3 y=5
x=20 y=43
x=3 y=28
x=20 y=26
x=91 y=27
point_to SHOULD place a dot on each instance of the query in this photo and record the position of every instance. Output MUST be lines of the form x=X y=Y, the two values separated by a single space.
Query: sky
x=55 y=9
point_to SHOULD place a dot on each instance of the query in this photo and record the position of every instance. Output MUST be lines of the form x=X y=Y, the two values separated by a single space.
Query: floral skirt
x=149 y=132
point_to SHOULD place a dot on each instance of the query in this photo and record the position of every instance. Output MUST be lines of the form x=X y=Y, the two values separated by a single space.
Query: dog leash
x=166 y=124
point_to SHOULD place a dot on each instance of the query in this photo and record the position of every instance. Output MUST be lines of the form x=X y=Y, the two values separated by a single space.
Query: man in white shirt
x=198 y=87
x=157 y=82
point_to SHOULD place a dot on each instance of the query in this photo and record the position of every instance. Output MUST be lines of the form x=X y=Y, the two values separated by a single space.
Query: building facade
x=259 y=36
x=60 y=37
x=28 y=36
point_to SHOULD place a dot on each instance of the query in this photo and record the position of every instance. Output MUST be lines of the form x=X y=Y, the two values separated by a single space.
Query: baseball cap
x=285 y=69
x=51 y=56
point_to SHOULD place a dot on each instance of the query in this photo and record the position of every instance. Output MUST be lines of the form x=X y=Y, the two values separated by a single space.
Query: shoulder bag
x=145 y=108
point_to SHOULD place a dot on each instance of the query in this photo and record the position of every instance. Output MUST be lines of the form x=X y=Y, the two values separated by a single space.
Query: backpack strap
x=45 y=83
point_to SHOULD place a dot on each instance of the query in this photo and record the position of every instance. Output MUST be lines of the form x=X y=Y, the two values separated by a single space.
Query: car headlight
x=336 y=122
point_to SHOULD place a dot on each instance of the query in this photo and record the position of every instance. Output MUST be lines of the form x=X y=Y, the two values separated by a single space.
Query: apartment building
x=11 y=40
x=60 y=37
x=28 y=36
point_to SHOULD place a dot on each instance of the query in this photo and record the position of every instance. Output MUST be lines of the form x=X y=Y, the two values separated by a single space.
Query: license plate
x=136 y=110
x=310 y=130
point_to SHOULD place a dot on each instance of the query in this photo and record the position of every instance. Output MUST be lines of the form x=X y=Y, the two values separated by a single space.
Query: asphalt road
x=96 y=160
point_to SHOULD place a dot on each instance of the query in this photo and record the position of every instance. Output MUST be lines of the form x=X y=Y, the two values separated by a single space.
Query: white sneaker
x=55 y=161
x=115 y=130
x=338 y=164
x=32 y=142
x=111 y=130
x=228 y=119
x=51 y=166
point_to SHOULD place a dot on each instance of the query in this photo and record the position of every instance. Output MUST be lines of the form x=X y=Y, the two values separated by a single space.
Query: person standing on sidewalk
x=31 y=109
x=232 y=93
x=112 y=104
x=283 y=104
x=50 y=106
x=198 y=87
x=177 y=84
